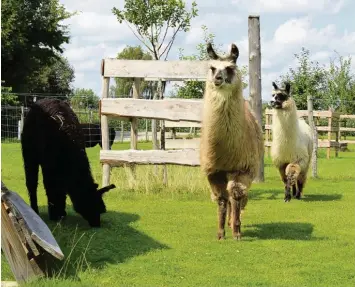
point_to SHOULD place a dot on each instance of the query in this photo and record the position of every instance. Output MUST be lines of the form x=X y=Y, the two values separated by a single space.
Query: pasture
x=166 y=236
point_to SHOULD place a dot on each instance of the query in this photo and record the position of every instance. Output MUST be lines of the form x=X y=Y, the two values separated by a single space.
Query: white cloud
x=100 y=7
x=97 y=34
x=290 y=6
x=214 y=24
x=97 y=27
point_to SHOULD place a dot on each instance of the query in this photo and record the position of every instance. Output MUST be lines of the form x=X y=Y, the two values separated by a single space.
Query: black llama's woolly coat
x=53 y=139
x=92 y=133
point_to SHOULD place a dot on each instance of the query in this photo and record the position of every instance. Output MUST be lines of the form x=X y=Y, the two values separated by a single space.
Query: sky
x=321 y=26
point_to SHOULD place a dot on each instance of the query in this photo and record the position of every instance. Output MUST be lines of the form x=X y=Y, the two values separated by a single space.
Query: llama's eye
x=213 y=69
x=230 y=70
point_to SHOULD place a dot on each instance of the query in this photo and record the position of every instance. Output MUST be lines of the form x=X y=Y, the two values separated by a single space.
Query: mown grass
x=165 y=236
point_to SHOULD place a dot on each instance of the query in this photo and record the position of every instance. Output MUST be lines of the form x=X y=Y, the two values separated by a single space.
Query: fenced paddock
x=155 y=235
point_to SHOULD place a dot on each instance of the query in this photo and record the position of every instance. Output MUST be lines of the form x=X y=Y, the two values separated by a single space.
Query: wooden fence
x=133 y=108
x=343 y=119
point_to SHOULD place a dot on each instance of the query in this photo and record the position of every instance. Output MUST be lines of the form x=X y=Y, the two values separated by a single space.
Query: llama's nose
x=218 y=78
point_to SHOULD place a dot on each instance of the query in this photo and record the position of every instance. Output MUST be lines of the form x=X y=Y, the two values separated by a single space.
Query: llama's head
x=223 y=72
x=281 y=97
x=93 y=205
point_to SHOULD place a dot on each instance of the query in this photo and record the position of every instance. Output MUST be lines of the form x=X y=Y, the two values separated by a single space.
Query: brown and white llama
x=291 y=148
x=231 y=140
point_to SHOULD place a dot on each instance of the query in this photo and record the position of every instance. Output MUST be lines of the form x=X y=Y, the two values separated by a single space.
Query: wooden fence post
x=255 y=78
x=314 y=135
x=162 y=132
x=104 y=128
x=134 y=128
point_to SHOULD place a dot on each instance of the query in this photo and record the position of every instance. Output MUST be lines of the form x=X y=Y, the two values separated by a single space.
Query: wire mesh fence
x=14 y=111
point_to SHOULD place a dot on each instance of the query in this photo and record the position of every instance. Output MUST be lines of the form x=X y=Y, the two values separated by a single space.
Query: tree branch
x=168 y=47
x=166 y=31
x=141 y=40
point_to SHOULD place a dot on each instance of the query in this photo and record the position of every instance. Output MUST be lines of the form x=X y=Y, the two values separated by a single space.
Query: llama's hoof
x=287 y=198
x=221 y=236
x=237 y=236
x=298 y=196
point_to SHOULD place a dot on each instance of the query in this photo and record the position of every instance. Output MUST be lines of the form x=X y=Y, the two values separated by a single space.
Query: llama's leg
x=282 y=171
x=238 y=191
x=300 y=183
x=294 y=190
x=218 y=183
x=31 y=171
x=229 y=213
x=56 y=196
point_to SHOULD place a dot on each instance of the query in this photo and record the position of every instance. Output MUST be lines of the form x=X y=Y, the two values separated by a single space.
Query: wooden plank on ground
x=182 y=124
x=169 y=70
x=172 y=109
x=182 y=143
x=39 y=231
x=13 y=249
x=188 y=157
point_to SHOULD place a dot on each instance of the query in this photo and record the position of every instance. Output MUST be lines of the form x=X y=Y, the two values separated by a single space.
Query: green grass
x=166 y=236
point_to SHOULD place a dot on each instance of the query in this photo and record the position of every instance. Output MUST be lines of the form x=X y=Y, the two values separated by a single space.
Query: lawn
x=166 y=236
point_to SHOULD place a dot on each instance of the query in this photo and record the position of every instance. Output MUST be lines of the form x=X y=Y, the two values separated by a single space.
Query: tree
x=54 y=79
x=195 y=89
x=32 y=34
x=84 y=98
x=152 y=21
x=308 y=78
x=7 y=97
x=340 y=84
x=124 y=86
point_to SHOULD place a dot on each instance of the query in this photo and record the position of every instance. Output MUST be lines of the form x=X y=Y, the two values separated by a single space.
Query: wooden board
x=182 y=124
x=172 y=109
x=347 y=129
x=38 y=230
x=319 y=128
x=182 y=143
x=188 y=157
x=13 y=249
x=304 y=113
x=321 y=144
x=347 y=116
x=169 y=70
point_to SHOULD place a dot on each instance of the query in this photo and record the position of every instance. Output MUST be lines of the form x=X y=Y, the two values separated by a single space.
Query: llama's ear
x=211 y=53
x=275 y=86
x=234 y=52
x=287 y=87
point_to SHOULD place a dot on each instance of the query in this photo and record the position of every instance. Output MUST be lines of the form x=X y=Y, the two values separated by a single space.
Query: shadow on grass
x=271 y=194
x=278 y=194
x=93 y=248
x=280 y=230
x=322 y=197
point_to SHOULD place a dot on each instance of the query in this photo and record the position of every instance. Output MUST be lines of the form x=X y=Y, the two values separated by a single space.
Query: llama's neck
x=285 y=125
x=224 y=110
